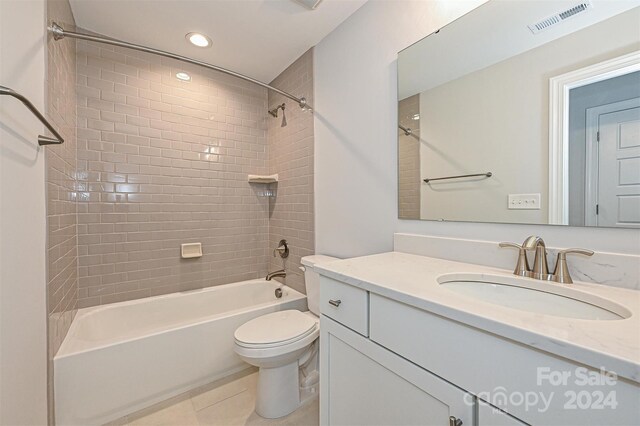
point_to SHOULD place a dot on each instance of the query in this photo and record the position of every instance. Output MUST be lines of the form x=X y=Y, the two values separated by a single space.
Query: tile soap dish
x=263 y=178
x=190 y=250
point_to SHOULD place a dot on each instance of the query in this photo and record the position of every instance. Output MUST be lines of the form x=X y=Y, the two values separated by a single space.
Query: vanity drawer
x=488 y=366
x=346 y=304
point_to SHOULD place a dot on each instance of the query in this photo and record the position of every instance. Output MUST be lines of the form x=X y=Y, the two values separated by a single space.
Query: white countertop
x=412 y=280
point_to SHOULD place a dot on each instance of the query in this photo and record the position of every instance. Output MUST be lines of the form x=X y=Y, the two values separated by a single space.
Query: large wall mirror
x=524 y=112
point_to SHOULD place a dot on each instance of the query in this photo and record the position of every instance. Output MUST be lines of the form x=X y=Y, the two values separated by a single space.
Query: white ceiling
x=258 y=38
x=493 y=32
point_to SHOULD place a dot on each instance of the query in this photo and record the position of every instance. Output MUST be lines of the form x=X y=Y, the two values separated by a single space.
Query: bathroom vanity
x=408 y=339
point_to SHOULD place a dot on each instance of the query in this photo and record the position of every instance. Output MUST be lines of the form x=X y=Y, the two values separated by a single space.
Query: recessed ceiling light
x=415 y=117
x=183 y=76
x=198 y=39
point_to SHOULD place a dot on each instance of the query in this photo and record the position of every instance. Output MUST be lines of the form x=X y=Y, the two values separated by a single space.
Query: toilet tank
x=312 y=279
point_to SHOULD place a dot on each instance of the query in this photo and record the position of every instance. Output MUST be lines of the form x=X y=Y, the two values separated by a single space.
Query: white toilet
x=284 y=345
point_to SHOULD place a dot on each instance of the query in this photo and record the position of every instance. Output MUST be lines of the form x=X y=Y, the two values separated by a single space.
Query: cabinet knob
x=335 y=303
x=454 y=421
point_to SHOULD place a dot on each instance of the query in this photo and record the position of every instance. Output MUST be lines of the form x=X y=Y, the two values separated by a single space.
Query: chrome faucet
x=540 y=269
x=281 y=273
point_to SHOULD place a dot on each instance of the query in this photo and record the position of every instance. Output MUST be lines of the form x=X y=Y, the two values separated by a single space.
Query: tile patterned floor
x=228 y=402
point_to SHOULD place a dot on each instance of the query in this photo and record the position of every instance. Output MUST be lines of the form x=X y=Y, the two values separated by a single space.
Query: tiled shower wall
x=409 y=159
x=291 y=156
x=163 y=162
x=62 y=255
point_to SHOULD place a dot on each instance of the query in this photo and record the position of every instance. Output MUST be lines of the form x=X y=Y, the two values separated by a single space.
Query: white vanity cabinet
x=389 y=363
x=365 y=384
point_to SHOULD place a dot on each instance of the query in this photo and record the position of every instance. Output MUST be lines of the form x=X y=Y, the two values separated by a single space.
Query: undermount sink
x=536 y=296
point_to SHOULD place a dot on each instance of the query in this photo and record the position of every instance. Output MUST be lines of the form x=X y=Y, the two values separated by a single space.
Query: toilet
x=284 y=345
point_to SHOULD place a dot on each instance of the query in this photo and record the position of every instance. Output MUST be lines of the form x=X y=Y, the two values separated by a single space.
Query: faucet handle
x=522 y=265
x=508 y=244
x=563 y=253
x=561 y=272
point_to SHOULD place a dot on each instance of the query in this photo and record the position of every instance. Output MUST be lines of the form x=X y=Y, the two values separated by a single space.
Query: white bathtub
x=119 y=358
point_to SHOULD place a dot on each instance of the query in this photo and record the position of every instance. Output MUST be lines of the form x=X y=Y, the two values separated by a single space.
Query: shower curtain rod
x=59 y=33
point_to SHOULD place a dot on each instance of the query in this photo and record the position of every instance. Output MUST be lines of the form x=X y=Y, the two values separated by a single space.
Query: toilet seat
x=276 y=329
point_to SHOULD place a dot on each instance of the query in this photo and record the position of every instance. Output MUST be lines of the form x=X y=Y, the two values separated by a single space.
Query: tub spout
x=280 y=273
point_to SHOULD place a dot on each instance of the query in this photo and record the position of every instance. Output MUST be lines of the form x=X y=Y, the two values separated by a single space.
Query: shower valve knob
x=282 y=249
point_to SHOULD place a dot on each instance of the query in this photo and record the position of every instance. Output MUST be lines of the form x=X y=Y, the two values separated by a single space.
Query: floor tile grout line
x=217 y=402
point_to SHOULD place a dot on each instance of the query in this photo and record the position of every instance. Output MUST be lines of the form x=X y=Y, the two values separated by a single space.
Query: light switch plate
x=524 y=202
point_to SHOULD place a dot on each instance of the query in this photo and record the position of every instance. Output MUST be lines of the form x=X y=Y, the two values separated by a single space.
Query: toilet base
x=287 y=375
x=278 y=392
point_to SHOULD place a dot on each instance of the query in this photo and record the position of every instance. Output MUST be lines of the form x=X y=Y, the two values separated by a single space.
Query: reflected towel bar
x=488 y=174
x=42 y=140
x=407 y=130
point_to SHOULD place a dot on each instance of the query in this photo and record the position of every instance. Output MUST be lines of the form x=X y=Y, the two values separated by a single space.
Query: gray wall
x=356 y=140
x=23 y=233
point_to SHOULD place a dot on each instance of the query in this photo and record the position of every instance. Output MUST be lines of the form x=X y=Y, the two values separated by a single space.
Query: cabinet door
x=364 y=384
x=491 y=416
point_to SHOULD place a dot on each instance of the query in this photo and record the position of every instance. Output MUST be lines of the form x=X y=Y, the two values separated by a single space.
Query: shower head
x=274 y=113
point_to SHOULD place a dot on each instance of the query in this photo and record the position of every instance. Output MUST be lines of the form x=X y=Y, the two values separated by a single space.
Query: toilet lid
x=275 y=328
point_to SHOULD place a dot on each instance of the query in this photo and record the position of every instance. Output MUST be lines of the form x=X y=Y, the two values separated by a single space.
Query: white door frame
x=559 y=88
x=592 y=166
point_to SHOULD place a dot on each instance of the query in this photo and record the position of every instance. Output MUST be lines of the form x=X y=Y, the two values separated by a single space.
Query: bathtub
x=120 y=358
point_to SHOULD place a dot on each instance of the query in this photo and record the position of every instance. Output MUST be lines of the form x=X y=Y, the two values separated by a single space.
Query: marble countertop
x=413 y=280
